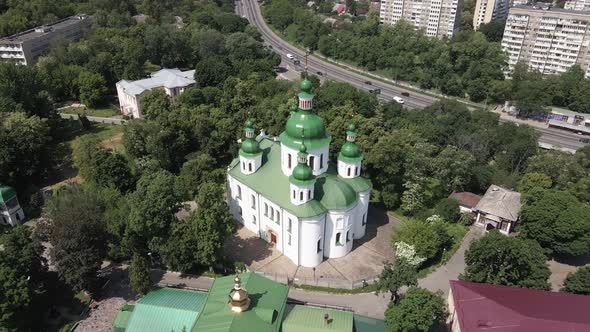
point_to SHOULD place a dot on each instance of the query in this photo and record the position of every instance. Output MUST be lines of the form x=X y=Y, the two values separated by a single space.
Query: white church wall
x=245 y=205
x=349 y=170
x=291 y=237
x=285 y=152
x=320 y=164
x=339 y=233
x=362 y=215
x=271 y=216
x=249 y=165
x=312 y=231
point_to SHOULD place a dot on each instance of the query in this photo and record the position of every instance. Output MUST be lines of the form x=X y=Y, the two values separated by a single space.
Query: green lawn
x=104 y=112
x=366 y=289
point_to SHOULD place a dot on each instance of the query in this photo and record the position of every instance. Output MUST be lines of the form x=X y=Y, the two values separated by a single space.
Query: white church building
x=10 y=211
x=288 y=192
x=173 y=81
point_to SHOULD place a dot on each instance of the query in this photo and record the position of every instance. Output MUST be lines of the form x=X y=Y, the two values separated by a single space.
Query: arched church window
x=348 y=172
x=321 y=160
x=239 y=192
x=319 y=245
x=301 y=195
x=249 y=167
x=289 y=160
x=309 y=194
x=311 y=162
x=338 y=236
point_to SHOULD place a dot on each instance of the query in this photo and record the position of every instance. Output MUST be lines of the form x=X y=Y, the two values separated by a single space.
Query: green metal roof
x=268 y=300
x=366 y=324
x=331 y=191
x=166 y=309
x=309 y=319
x=122 y=319
x=6 y=193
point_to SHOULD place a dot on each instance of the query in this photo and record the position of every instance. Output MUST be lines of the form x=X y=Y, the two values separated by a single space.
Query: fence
x=116 y=121
x=318 y=281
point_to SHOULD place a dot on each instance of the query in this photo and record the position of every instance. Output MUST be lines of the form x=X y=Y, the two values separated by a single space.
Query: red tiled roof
x=485 y=307
x=465 y=198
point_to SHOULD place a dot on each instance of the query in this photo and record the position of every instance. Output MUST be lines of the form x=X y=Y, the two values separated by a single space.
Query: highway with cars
x=250 y=9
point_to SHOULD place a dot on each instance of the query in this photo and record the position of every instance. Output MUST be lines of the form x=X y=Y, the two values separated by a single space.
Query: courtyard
x=364 y=262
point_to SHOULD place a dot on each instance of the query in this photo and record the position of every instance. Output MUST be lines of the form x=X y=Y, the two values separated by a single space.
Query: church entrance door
x=273 y=238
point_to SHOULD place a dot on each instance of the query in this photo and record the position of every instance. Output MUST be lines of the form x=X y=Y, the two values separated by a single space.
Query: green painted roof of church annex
x=6 y=193
x=163 y=309
x=332 y=192
x=265 y=314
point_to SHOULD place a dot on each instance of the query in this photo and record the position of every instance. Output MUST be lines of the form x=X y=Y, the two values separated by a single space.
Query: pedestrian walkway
x=439 y=279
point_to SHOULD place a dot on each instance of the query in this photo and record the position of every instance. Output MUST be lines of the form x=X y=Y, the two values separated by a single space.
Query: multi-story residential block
x=173 y=81
x=488 y=10
x=549 y=40
x=583 y=5
x=439 y=18
x=25 y=47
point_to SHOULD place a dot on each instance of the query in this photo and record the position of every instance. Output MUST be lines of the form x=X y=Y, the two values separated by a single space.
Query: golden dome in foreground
x=238 y=297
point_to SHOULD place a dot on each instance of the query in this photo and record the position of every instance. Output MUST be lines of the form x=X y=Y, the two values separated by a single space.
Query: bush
x=448 y=208
x=467 y=219
x=429 y=239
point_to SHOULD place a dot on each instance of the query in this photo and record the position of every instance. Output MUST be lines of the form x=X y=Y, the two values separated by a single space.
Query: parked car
x=368 y=83
x=319 y=73
x=405 y=94
x=399 y=100
x=290 y=56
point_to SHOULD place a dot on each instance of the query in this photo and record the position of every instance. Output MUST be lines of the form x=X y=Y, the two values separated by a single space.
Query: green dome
x=250 y=146
x=335 y=194
x=304 y=123
x=302 y=172
x=6 y=193
x=305 y=85
x=351 y=150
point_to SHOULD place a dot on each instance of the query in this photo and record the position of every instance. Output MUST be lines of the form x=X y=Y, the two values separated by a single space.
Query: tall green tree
x=578 y=282
x=140 y=274
x=93 y=89
x=509 y=261
x=418 y=310
x=78 y=237
x=394 y=276
x=559 y=222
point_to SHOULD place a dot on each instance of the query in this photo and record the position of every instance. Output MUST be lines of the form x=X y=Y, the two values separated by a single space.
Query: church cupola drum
x=250 y=153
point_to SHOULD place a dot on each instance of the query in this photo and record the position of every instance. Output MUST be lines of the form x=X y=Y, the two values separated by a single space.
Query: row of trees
x=469 y=64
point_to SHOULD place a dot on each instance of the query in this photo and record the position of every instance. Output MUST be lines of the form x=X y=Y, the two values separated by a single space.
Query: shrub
x=448 y=208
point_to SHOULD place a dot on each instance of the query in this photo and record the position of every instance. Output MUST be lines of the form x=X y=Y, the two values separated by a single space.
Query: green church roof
x=164 y=309
x=268 y=300
x=332 y=192
x=366 y=324
x=309 y=319
x=6 y=194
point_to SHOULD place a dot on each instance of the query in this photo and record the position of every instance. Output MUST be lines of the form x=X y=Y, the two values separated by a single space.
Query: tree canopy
x=578 y=282
x=505 y=260
x=418 y=310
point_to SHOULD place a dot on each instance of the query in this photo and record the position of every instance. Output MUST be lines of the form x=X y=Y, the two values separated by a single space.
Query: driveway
x=439 y=279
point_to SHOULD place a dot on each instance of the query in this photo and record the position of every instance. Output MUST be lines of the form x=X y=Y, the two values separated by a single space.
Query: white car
x=399 y=100
x=290 y=56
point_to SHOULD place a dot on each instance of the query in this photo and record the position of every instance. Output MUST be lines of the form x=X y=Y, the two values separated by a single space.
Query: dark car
x=405 y=94
x=319 y=73
x=368 y=83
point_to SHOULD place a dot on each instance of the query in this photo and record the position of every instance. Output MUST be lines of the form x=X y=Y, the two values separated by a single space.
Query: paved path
x=439 y=279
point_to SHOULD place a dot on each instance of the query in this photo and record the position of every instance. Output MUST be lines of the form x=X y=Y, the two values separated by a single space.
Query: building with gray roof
x=173 y=81
x=25 y=47
x=498 y=209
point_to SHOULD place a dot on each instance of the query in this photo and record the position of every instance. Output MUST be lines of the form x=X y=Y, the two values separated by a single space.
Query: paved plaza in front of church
x=364 y=262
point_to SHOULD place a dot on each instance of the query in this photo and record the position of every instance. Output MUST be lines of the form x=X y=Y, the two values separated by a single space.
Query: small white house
x=173 y=81
x=10 y=211
x=499 y=208
x=467 y=201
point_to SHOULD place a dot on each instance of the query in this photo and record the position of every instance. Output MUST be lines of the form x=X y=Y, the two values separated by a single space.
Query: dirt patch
x=113 y=142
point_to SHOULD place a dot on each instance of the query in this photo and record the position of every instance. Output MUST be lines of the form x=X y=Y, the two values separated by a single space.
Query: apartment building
x=549 y=40
x=577 y=5
x=488 y=10
x=25 y=47
x=439 y=18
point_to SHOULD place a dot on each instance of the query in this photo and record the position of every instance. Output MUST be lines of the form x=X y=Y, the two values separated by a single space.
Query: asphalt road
x=550 y=137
